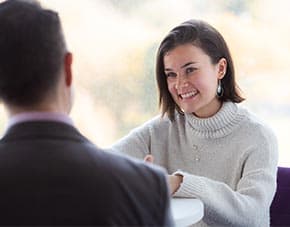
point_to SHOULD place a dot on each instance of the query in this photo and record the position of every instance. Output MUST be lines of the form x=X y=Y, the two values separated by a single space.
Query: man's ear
x=68 y=68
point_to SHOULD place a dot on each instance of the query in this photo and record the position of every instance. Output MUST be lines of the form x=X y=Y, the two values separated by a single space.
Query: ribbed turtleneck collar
x=219 y=125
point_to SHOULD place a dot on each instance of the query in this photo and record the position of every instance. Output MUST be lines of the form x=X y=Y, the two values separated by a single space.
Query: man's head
x=33 y=53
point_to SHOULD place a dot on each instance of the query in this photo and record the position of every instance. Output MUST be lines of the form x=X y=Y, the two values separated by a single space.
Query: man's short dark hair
x=32 y=50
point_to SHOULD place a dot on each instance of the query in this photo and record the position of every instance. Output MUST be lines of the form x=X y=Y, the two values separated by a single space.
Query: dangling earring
x=219 y=90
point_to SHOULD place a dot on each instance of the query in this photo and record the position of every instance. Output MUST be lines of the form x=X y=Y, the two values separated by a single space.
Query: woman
x=213 y=148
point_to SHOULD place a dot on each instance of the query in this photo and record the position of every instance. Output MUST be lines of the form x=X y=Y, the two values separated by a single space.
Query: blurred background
x=114 y=43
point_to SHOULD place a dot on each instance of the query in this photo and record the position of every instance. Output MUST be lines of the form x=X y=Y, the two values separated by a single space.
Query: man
x=49 y=173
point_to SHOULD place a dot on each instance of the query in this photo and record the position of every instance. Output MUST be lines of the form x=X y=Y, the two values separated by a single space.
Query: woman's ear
x=222 y=68
x=68 y=68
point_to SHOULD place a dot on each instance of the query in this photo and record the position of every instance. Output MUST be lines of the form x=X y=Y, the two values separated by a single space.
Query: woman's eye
x=190 y=70
x=170 y=74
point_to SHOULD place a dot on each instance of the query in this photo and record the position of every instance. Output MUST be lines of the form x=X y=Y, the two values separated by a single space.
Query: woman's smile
x=188 y=95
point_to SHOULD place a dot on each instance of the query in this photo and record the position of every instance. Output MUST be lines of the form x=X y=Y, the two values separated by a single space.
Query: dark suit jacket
x=51 y=175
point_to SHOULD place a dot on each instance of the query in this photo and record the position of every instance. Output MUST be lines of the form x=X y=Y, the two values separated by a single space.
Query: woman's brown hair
x=206 y=37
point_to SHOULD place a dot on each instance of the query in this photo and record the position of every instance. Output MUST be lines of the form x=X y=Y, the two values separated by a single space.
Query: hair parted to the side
x=206 y=37
x=32 y=49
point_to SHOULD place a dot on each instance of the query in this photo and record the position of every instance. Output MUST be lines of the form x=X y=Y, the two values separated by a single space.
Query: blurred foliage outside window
x=114 y=43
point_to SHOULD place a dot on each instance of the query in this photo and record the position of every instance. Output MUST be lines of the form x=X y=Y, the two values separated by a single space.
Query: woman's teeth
x=188 y=95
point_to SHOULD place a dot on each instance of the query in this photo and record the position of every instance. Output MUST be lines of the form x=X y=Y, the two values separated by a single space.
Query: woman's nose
x=181 y=82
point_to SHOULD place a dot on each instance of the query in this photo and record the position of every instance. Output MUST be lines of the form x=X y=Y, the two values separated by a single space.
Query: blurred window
x=114 y=45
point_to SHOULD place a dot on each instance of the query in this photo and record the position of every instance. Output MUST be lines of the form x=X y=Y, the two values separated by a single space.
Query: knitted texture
x=229 y=161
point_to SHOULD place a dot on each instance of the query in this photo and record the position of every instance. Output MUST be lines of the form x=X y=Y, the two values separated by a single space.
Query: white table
x=186 y=211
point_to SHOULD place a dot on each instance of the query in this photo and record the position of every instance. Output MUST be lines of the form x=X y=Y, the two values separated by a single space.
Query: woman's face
x=192 y=79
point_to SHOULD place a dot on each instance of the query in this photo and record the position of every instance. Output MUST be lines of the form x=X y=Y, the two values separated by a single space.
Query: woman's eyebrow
x=187 y=64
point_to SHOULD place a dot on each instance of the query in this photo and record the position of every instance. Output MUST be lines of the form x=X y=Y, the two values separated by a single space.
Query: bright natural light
x=114 y=43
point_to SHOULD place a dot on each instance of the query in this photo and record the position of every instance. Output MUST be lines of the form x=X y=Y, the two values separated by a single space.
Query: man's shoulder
x=145 y=184
x=129 y=184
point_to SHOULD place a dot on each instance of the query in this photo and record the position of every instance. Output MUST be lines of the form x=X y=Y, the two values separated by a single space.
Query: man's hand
x=174 y=182
x=149 y=158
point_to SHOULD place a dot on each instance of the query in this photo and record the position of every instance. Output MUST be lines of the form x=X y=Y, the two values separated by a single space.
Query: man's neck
x=38 y=116
x=16 y=110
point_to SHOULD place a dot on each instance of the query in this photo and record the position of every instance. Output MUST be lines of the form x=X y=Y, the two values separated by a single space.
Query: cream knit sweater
x=229 y=161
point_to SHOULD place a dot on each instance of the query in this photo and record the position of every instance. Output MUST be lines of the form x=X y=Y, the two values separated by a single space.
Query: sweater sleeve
x=246 y=205
x=135 y=144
